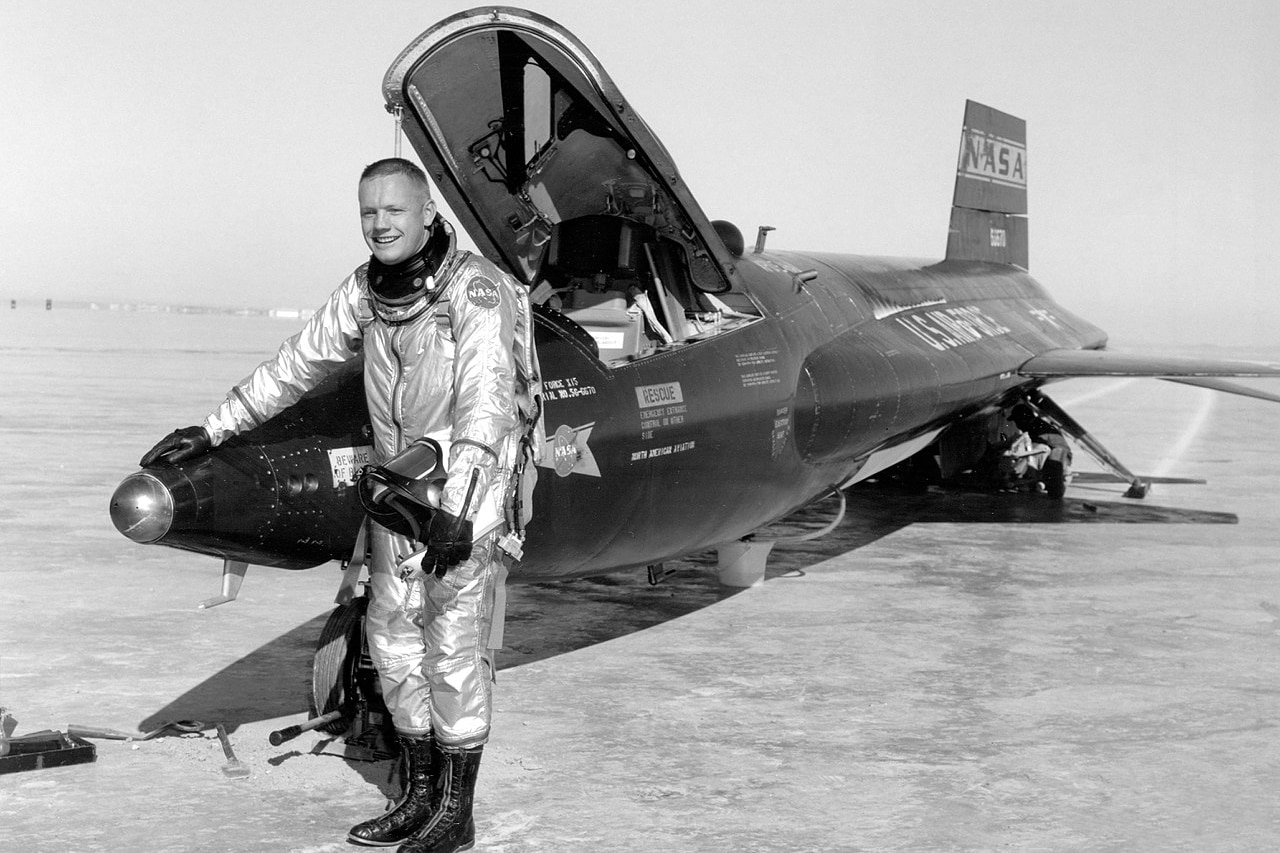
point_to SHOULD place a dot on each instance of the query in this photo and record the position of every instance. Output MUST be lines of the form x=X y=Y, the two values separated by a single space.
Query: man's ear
x=429 y=211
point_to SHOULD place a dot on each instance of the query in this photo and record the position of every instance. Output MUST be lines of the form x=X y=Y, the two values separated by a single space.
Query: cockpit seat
x=605 y=299
x=609 y=319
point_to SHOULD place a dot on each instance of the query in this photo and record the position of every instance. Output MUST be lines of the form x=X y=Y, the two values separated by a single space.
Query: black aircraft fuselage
x=745 y=427
x=686 y=448
x=693 y=390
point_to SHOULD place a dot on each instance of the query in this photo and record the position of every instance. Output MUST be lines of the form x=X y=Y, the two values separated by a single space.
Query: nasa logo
x=568 y=451
x=482 y=292
x=564 y=450
x=991 y=158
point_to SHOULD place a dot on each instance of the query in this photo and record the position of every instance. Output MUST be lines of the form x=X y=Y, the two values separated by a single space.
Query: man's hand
x=448 y=542
x=178 y=446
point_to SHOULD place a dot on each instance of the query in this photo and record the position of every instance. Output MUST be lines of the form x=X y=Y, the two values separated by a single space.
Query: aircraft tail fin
x=989 y=211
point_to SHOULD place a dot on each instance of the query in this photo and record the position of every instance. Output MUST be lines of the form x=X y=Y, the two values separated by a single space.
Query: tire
x=333 y=667
x=1054 y=477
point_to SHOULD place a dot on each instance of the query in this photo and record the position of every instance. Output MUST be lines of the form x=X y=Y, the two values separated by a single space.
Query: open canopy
x=522 y=130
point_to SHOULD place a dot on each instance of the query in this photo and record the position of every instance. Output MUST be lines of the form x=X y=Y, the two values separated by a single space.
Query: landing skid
x=741 y=564
x=233 y=572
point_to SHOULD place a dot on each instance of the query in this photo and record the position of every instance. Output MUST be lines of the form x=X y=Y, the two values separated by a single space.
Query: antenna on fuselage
x=761 y=234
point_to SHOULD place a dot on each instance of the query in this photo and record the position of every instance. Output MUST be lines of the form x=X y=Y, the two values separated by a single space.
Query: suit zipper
x=397 y=389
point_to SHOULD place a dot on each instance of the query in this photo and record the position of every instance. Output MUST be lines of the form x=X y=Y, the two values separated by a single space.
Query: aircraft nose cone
x=142 y=507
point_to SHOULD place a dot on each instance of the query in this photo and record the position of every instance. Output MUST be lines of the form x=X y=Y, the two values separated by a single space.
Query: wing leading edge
x=1201 y=372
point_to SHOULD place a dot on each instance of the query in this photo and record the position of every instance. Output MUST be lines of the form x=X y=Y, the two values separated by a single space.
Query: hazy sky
x=207 y=152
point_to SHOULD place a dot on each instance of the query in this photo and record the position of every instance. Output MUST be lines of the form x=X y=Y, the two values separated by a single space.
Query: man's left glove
x=178 y=446
x=448 y=542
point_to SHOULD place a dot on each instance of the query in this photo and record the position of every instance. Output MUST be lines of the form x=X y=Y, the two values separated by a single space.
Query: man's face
x=394 y=212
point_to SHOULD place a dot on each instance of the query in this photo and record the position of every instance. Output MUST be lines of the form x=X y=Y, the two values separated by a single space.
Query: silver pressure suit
x=455 y=365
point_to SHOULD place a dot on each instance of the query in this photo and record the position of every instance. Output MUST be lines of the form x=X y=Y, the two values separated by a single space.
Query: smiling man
x=448 y=355
x=395 y=209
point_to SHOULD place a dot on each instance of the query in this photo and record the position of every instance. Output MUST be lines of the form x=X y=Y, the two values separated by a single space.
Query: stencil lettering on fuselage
x=346 y=461
x=1045 y=317
x=661 y=394
x=661 y=405
x=781 y=430
x=668 y=450
x=948 y=328
x=758 y=368
x=565 y=389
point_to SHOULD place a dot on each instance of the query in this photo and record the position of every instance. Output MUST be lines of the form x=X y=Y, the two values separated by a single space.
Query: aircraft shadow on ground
x=877 y=510
x=549 y=619
x=880 y=506
x=271 y=681
x=543 y=620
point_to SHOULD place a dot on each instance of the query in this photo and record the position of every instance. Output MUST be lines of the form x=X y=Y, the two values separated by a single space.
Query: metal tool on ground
x=100 y=732
x=76 y=730
x=180 y=726
x=290 y=732
x=234 y=768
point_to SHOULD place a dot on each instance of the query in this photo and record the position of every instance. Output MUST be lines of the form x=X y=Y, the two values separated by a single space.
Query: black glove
x=178 y=446
x=448 y=542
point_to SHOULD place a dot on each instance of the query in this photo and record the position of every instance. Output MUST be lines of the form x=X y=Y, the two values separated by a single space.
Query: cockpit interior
x=630 y=288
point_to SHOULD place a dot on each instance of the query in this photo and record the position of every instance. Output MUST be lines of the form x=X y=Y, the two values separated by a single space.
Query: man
x=1054 y=454
x=448 y=355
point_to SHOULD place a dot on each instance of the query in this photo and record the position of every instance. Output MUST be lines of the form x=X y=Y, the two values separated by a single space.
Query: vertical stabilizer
x=989 y=211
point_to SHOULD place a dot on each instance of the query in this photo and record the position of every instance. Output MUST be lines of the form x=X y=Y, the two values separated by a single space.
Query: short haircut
x=396 y=166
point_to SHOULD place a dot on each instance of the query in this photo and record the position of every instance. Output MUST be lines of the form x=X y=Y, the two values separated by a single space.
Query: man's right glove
x=178 y=446
x=448 y=542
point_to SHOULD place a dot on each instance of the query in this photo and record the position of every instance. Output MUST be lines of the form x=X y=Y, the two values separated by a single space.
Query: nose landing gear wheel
x=344 y=679
x=334 y=666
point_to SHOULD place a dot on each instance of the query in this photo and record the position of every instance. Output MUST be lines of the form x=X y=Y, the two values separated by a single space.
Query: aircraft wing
x=1224 y=386
x=1188 y=370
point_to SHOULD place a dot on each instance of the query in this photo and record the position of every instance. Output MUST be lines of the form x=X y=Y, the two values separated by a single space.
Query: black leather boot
x=451 y=828
x=416 y=805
